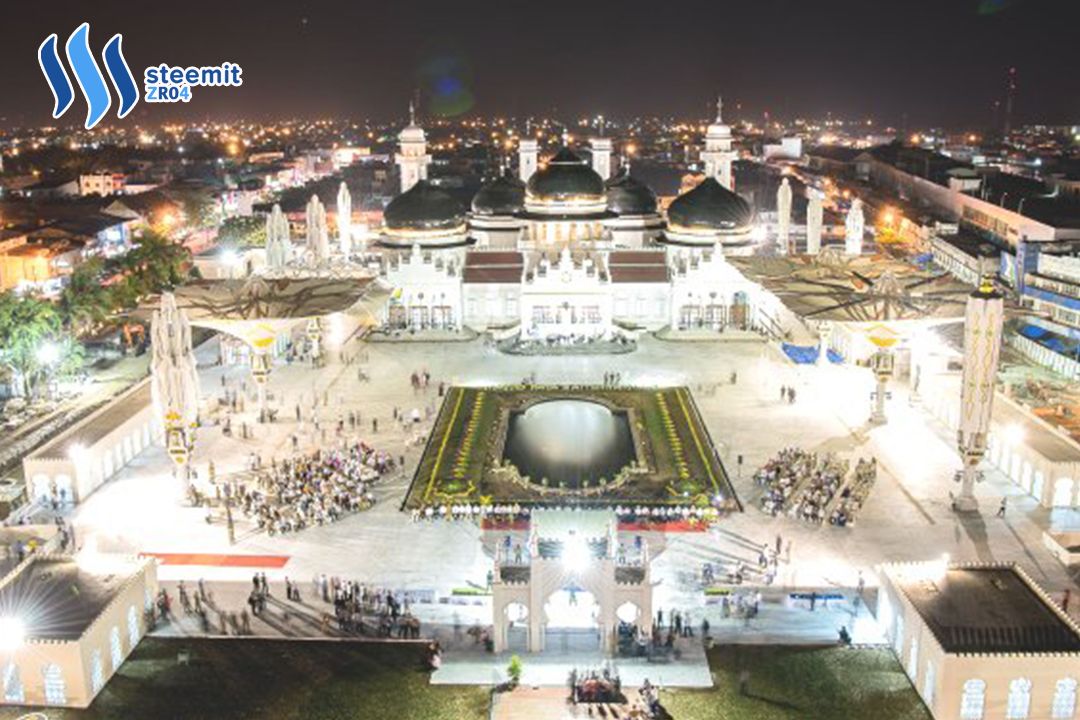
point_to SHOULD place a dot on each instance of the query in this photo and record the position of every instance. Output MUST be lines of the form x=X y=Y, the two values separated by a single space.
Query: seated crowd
x=314 y=489
x=800 y=483
x=854 y=495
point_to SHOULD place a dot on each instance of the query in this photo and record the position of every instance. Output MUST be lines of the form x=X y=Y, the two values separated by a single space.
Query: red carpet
x=253 y=561
x=505 y=525
x=671 y=526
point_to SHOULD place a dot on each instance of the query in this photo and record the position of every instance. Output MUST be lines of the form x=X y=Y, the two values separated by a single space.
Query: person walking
x=1002 y=506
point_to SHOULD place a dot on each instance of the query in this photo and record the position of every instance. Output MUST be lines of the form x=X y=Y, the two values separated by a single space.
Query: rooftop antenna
x=412 y=113
x=719 y=109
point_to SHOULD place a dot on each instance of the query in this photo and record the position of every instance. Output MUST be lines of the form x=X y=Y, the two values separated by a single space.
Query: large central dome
x=710 y=207
x=565 y=178
x=424 y=207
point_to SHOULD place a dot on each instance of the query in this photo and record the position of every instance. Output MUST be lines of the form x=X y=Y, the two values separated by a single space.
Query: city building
x=980 y=640
x=69 y=623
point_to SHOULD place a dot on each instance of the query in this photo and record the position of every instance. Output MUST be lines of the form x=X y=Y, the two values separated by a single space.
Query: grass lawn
x=279 y=679
x=467 y=442
x=789 y=683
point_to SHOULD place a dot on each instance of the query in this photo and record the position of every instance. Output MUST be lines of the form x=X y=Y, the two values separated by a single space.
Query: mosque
x=570 y=249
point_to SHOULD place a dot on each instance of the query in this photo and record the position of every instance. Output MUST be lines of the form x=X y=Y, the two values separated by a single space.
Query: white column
x=815 y=217
x=783 y=211
x=854 y=228
x=983 y=321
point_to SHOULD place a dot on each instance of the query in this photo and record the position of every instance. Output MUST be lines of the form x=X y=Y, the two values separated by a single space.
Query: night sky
x=939 y=62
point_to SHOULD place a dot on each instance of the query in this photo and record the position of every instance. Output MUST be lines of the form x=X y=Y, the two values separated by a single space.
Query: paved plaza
x=907 y=516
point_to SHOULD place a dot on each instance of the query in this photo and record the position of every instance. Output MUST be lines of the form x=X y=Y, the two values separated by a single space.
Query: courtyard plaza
x=907 y=516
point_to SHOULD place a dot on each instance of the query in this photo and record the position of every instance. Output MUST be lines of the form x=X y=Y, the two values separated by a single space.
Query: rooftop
x=56 y=599
x=986 y=609
x=95 y=427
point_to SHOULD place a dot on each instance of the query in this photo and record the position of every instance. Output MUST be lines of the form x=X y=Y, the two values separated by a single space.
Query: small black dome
x=710 y=206
x=627 y=195
x=565 y=177
x=504 y=195
x=424 y=207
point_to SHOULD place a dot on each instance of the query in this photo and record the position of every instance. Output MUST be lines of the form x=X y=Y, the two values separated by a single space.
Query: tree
x=156 y=263
x=27 y=325
x=84 y=302
x=242 y=232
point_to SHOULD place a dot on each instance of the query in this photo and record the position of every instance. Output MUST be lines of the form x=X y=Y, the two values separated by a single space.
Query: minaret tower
x=719 y=152
x=528 y=151
x=601 y=153
x=412 y=157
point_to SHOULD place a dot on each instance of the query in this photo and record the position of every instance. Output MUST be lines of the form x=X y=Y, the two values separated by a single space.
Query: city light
x=12 y=633
x=48 y=353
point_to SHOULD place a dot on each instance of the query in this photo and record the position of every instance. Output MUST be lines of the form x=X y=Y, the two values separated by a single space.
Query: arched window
x=928 y=684
x=913 y=660
x=116 y=648
x=13 y=687
x=973 y=701
x=1019 y=705
x=55 y=690
x=133 y=627
x=1064 y=707
x=97 y=673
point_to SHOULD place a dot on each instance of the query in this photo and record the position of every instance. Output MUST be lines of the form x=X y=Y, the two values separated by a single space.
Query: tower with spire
x=719 y=152
x=412 y=158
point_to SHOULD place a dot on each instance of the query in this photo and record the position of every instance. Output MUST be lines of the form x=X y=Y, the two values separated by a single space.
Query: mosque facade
x=566 y=248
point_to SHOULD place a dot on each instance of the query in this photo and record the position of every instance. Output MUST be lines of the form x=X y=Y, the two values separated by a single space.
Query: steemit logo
x=88 y=75
x=162 y=83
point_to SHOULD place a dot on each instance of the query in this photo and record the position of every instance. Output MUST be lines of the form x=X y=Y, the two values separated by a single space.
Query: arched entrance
x=517 y=629
x=572 y=615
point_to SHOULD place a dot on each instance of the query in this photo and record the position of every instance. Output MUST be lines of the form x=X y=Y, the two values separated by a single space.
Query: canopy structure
x=856 y=289
x=258 y=309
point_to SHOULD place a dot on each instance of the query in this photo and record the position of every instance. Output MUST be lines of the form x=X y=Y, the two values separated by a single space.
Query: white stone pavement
x=906 y=518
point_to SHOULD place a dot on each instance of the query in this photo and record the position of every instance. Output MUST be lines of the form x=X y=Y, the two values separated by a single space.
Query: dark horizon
x=919 y=64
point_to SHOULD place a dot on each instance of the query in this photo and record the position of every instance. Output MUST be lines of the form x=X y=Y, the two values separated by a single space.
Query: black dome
x=627 y=195
x=503 y=196
x=424 y=207
x=565 y=177
x=710 y=206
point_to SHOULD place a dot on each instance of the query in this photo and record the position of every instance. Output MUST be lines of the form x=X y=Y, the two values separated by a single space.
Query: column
x=983 y=321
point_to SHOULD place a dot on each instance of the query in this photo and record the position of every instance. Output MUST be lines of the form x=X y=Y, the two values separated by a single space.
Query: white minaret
x=412 y=157
x=854 y=228
x=719 y=152
x=528 y=152
x=983 y=320
x=601 y=156
x=815 y=217
x=344 y=219
x=783 y=211
x=278 y=244
x=318 y=238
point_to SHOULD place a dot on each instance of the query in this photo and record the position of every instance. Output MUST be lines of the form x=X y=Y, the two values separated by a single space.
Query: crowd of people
x=314 y=489
x=595 y=686
x=363 y=610
x=800 y=483
x=781 y=475
x=818 y=489
x=855 y=494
